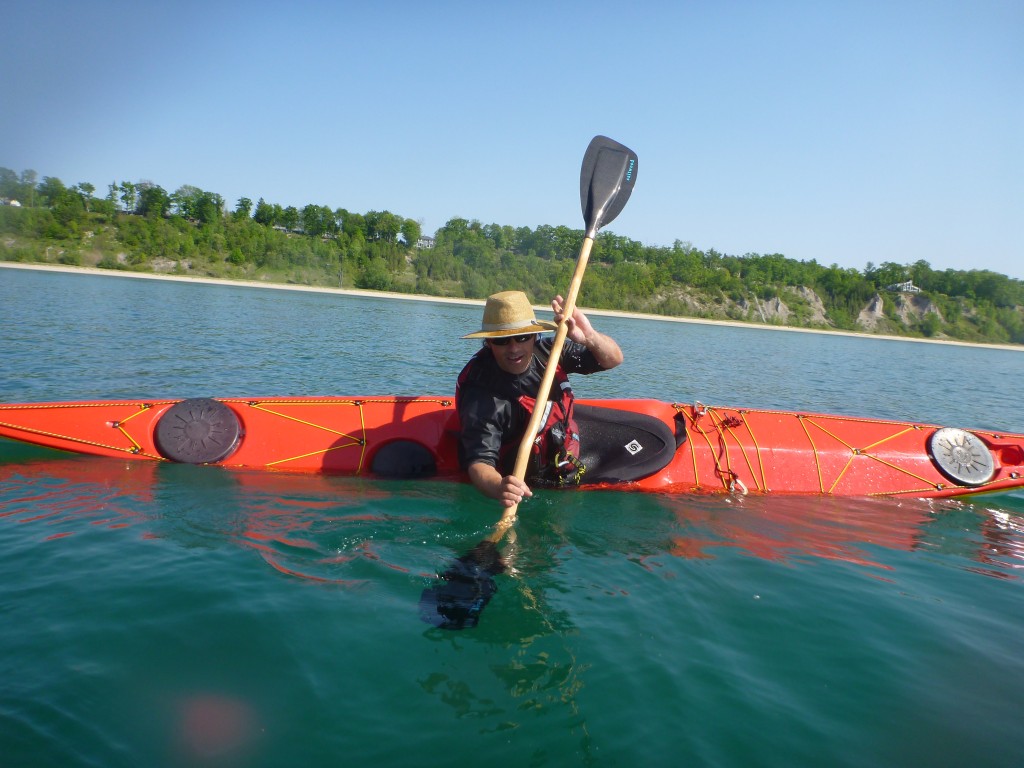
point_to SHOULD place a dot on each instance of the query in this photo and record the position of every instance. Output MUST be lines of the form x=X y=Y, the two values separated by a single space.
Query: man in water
x=496 y=393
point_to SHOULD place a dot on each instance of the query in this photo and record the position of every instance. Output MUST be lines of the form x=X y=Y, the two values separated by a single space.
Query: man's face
x=513 y=353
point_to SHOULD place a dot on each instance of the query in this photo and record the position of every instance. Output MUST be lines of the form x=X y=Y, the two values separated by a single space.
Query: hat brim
x=537 y=326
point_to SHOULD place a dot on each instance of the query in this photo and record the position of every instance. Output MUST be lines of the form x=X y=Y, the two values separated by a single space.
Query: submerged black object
x=200 y=430
x=456 y=601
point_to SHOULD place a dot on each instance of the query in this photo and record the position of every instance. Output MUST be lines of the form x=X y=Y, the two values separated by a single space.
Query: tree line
x=140 y=222
x=972 y=305
x=148 y=199
x=139 y=225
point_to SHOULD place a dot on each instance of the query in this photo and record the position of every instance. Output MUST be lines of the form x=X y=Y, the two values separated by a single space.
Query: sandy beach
x=478 y=302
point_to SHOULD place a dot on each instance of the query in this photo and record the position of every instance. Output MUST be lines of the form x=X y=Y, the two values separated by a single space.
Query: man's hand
x=509 y=490
x=579 y=329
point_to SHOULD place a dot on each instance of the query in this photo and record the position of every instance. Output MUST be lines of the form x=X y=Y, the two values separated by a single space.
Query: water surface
x=179 y=615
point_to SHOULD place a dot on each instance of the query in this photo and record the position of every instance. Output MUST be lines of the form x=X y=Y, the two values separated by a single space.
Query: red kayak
x=643 y=445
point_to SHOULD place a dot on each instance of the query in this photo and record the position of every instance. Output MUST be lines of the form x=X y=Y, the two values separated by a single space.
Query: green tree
x=129 y=196
x=112 y=196
x=382 y=225
x=9 y=184
x=209 y=207
x=921 y=274
x=51 y=190
x=154 y=202
x=86 y=189
x=930 y=324
x=375 y=276
x=411 y=232
x=264 y=213
x=888 y=273
x=28 y=187
x=69 y=209
x=318 y=220
x=353 y=224
x=288 y=218
x=185 y=201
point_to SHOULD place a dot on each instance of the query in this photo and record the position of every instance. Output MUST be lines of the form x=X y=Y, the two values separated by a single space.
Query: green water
x=177 y=615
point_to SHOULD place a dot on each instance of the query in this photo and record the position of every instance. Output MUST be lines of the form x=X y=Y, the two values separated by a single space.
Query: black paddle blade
x=465 y=588
x=606 y=181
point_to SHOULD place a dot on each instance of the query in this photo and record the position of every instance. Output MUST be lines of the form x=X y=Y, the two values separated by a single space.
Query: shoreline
x=479 y=303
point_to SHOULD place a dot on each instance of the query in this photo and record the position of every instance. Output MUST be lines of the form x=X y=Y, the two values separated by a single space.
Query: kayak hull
x=720 y=449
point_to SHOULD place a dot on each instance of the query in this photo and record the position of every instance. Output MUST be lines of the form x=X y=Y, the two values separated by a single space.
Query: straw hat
x=509 y=313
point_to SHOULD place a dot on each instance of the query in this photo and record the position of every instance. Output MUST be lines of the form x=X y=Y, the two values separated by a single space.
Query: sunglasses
x=503 y=340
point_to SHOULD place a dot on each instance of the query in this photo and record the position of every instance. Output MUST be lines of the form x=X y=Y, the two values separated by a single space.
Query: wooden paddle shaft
x=523 y=456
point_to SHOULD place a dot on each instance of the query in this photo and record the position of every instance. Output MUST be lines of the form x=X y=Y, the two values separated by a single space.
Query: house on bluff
x=906 y=287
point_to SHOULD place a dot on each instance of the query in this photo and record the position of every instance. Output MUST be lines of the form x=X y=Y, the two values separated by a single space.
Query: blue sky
x=846 y=132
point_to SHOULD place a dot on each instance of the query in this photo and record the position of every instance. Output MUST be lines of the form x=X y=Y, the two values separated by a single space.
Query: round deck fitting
x=198 y=431
x=961 y=456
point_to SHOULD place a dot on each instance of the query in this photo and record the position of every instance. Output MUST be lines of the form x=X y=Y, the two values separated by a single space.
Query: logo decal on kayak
x=633 y=447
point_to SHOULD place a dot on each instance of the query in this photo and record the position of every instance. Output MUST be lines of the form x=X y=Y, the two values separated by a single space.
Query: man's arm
x=604 y=348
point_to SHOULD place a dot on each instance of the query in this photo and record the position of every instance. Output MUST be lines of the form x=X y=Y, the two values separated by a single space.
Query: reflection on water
x=849 y=530
x=327 y=529
x=66 y=496
x=1004 y=536
x=344 y=530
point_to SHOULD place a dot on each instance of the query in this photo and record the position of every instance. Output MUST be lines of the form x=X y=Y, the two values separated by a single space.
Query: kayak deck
x=730 y=450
